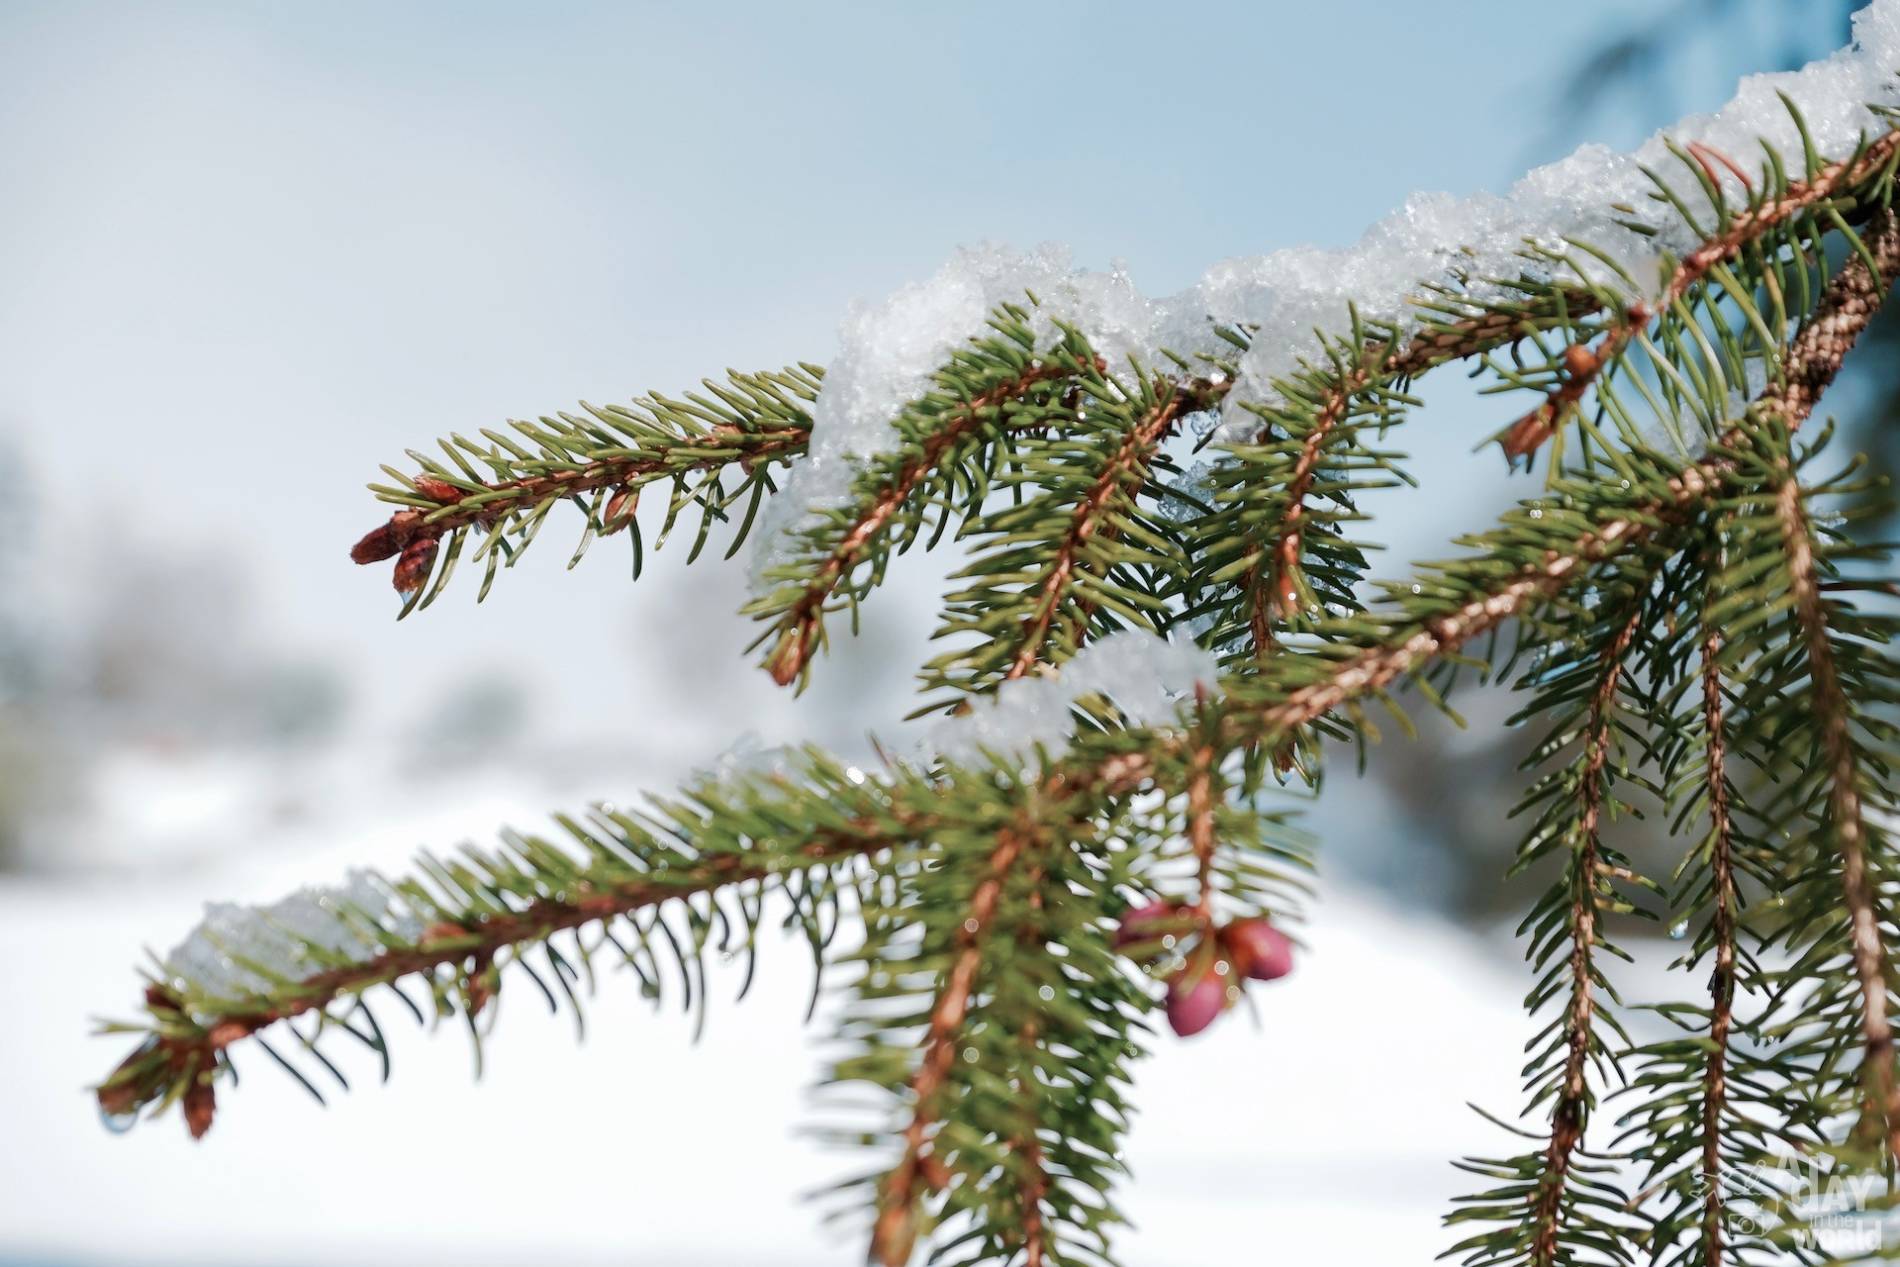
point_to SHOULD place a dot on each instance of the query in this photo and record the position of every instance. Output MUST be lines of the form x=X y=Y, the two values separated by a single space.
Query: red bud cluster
x=1198 y=992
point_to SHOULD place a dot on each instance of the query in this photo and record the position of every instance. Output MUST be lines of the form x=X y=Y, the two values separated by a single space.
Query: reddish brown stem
x=1844 y=819
x=1200 y=821
x=1573 y=1095
x=1816 y=357
x=462 y=509
x=1722 y=930
x=1582 y=367
x=895 y=1230
x=1129 y=462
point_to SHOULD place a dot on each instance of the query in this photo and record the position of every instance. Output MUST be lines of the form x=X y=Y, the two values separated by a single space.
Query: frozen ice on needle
x=1146 y=677
x=214 y=957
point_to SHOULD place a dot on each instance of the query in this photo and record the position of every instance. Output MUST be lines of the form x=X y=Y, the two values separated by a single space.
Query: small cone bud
x=200 y=1105
x=480 y=984
x=387 y=540
x=437 y=490
x=787 y=659
x=619 y=511
x=1260 y=950
x=1195 y=1002
x=1528 y=433
x=413 y=568
x=1287 y=582
x=1144 y=922
x=1579 y=360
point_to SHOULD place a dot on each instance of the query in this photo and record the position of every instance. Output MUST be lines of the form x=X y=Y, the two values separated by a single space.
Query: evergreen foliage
x=1698 y=631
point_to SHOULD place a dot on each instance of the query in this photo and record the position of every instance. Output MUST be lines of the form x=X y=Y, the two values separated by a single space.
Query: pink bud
x=1194 y=1003
x=1145 y=923
x=1260 y=950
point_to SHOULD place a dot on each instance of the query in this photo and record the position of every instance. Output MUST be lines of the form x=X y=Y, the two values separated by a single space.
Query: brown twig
x=896 y=1227
x=1583 y=365
x=461 y=508
x=1273 y=581
x=1200 y=818
x=1573 y=1095
x=1856 y=294
x=1029 y=1145
x=1844 y=815
x=1822 y=346
x=1722 y=929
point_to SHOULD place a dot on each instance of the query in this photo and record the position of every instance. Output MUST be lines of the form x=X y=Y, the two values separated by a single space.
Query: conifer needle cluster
x=1163 y=631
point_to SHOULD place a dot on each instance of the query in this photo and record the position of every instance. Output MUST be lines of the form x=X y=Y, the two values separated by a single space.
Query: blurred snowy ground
x=640 y=1146
x=251 y=251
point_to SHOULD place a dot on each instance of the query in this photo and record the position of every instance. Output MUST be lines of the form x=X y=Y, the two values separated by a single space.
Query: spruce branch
x=601 y=462
x=1722 y=935
x=1092 y=520
x=1273 y=575
x=1070 y=551
x=1569 y=1214
x=1274 y=579
x=468 y=917
x=1543 y=556
x=1845 y=822
x=1588 y=897
x=895 y=1230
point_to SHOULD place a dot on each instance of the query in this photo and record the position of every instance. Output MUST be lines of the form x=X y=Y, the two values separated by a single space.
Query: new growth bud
x=1195 y=1001
x=1260 y=950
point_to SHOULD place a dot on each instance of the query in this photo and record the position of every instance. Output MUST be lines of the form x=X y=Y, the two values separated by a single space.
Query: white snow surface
x=236 y=950
x=1145 y=676
x=888 y=351
x=640 y=1120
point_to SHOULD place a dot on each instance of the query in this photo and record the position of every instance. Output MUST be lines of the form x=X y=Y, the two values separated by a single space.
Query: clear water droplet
x=117 y=1123
x=1679 y=930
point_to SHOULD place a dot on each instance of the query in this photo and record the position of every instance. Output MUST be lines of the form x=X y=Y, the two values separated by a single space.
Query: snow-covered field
x=1306 y=1133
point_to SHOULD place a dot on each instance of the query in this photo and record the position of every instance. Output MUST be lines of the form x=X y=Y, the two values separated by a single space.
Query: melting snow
x=888 y=351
